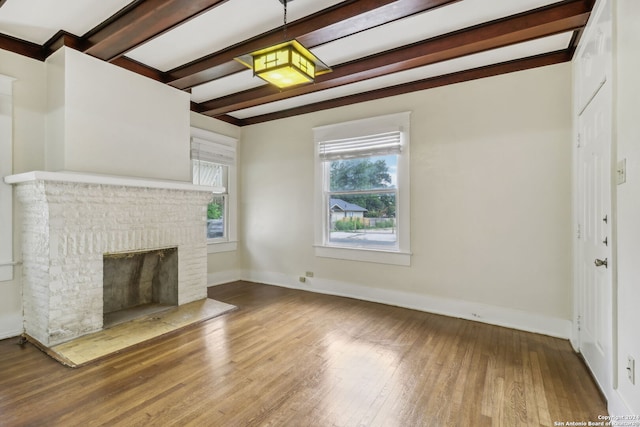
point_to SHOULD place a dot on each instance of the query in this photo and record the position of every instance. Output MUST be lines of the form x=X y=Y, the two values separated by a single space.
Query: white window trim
x=6 y=190
x=352 y=129
x=229 y=243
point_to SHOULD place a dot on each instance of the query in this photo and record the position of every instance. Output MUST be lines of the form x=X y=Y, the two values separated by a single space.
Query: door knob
x=600 y=263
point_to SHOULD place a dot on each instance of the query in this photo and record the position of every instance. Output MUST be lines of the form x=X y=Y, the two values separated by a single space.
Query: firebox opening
x=139 y=283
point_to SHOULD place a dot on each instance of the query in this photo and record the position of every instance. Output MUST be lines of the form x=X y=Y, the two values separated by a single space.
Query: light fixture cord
x=285 y=19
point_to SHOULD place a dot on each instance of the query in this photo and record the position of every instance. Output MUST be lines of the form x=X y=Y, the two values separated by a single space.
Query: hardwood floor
x=293 y=358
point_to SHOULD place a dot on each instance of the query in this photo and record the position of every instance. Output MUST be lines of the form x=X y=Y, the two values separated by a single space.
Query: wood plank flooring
x=293 y=358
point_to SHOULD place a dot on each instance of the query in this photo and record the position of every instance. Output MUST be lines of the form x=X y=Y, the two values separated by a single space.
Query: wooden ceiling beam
x=430 y=83
x=141 y=22
x=561 y=17
x=344 y=19
x=21 y=47
x=139 y=68
x=230 y=119
x=63 y=38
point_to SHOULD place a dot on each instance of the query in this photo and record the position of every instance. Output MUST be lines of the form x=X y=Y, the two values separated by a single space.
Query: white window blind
x=381 y=144
x=207 y=173
x=213 y=152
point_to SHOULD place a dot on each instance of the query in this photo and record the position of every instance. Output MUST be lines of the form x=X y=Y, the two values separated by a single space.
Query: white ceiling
x=38 y=20
x=234 y=21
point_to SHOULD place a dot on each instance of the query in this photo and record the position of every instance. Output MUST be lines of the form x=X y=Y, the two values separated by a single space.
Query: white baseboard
x=494 y=315
x=10 y=326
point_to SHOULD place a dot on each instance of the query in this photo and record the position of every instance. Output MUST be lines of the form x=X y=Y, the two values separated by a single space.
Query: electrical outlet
x=631 y=369
x=302 y=279
x=309 y=274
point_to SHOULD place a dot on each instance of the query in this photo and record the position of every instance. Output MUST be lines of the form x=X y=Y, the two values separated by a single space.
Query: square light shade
x=286 y=64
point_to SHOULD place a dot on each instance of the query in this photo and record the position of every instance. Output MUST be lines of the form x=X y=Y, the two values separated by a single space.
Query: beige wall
x=104 y=119
x=627 y=137
x=490 y=207
x=29 y=104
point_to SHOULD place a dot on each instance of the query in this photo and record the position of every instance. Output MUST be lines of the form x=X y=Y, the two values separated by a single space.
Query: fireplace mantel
x=125 y=181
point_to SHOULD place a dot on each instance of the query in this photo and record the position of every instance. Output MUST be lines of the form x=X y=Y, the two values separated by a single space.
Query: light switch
x=622 y=171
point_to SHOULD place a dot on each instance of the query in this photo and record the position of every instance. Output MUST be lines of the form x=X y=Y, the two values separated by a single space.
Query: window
x=213 y=159
x=362 y=190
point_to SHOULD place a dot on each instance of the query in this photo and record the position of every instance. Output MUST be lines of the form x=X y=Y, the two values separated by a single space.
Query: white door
x=594 y=246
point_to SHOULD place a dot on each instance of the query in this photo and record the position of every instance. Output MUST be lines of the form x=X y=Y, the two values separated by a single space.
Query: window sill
x=216 y=247
x=364 y=255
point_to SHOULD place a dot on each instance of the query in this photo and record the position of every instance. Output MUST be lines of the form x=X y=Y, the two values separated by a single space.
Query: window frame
x=229 y=241
x=353 y=129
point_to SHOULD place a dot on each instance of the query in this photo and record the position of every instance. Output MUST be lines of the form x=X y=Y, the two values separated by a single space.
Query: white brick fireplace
x=70 y=221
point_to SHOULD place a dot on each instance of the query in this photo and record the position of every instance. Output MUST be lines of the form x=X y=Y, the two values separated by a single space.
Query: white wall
x=627 y=107
x=114 y=121
x=491 y=203
x=29 y=105
x=6 y=168
x=55 y=122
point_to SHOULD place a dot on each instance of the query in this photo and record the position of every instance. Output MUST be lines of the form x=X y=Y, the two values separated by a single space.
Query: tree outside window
x=362 y=202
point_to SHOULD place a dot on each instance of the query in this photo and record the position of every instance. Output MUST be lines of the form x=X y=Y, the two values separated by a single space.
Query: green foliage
x=215 y=208
x=349 y=225
x=359 y=174
x=364 y=174
x=354 y=224
x=385 y=224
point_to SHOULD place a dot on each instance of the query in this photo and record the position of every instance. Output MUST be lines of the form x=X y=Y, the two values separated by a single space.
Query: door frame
x=581 y=99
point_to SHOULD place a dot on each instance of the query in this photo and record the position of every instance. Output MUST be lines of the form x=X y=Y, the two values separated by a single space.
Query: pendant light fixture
x=285 y=64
